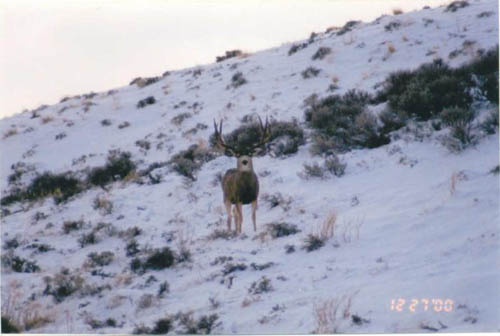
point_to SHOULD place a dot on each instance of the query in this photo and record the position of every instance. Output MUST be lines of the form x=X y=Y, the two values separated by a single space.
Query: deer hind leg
x=254 y=211
x=239 y=218
x=227 y=203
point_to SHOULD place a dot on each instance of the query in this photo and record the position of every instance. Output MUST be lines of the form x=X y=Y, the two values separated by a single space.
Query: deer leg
x=239 y=211
x=229 y=217
x=254 y=211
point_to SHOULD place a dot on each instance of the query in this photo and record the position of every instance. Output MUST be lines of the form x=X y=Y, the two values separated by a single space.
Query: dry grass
x=249 y=300
x=327 y=228
x=46 y=119
x=453 y=183
x=24 y=316
x=390 y=48
x=11 y=132
x=351 y=228
x=330 y=314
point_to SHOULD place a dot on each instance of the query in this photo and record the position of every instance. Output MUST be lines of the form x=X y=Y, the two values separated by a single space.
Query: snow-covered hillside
x=413 y=221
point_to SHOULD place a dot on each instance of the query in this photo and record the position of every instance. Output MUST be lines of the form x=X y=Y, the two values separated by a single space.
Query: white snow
x=413 y=235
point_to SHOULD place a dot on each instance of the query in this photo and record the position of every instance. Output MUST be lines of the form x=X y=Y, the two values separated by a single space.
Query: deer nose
x=244 y=162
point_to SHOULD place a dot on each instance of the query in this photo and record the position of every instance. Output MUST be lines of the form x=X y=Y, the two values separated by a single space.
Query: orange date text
x=421 y=304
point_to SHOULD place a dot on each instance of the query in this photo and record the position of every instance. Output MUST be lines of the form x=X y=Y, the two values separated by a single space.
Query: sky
x=53 y=48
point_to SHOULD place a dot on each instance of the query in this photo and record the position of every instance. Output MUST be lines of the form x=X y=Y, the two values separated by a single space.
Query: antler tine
x=265 y=134
x=220 y=140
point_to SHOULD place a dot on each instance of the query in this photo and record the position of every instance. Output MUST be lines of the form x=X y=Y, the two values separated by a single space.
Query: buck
x=241 y=185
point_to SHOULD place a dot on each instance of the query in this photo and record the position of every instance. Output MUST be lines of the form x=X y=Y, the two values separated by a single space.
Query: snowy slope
x=414 y=221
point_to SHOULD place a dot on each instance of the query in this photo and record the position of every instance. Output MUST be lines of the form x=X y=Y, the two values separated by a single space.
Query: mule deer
x=241 y=185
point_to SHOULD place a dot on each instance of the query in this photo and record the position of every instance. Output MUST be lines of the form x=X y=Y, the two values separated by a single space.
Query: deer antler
x=220 y=141
x=265 y=134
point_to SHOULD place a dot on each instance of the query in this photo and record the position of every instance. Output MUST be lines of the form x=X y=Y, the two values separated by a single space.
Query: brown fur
x=240 y=186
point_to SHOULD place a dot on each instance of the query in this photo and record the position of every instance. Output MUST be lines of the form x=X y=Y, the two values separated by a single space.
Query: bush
x=313 y=242
x=391 y=121
x=117 y=167
x=296 y=47
x=188 y=162
x=230 y=268
x=393 y=25
x=277 y=199
x=204 y=325
x=62 y=285
x=158 y=259
x=223 y=234
x=237 y=80
x=261 y=286
x=341 y=123
x=456 y=5
x=281 y=229
x=310 y=72
x=335 y=166
x=313 y=171
x=426 y=91
x=146 y=101
x=286 y=137
x=321 y=53
x=229 y=54
x=9 y=327
x=490 y=124
x=142 y=82
x=18 y=264
x=100 y=259
x=178 y=119
x=87 y=239
x=347 y=27
x=69 y=226
x=460 y=121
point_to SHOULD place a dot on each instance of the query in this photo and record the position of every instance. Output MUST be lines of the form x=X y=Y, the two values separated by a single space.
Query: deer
x=240 y=185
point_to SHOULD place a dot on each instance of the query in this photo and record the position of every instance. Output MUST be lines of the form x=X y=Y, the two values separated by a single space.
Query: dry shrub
x=351 y=229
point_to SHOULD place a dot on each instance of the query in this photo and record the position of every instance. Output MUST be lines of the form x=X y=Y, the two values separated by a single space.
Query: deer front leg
x=227 y=203
x=239 y=219
x=254 y=211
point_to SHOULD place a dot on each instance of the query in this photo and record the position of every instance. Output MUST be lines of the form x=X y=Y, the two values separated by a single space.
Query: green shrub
x=158 y=259
x=321 y=53
x=310 y=72
x=117 y=167
x=281 y=229
x=342 y=123
x=423 y=93
x=261 y=286
x=312 y=242
x=460 y=121
x=189 y=161
x=490 y=124
x=237 y=80
x=9 y=327
x=18 y=264
x=62 y=285
x=59 y=186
